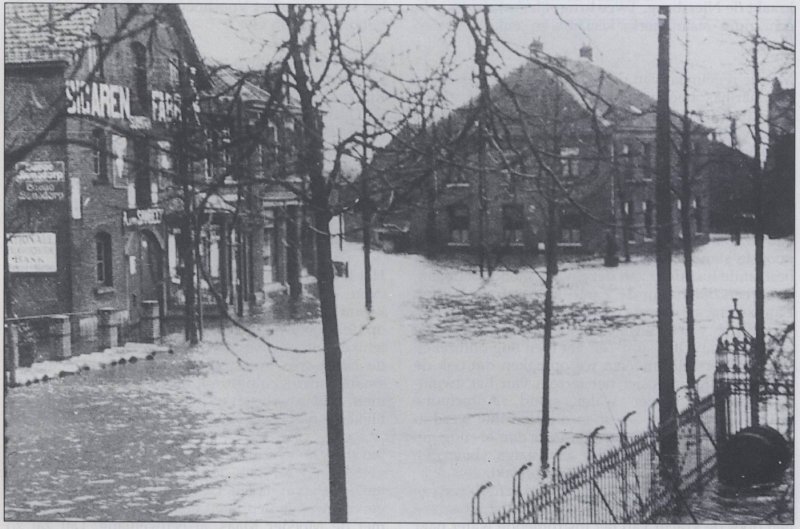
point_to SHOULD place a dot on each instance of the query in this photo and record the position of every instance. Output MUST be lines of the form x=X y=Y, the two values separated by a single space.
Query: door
x=150 y=257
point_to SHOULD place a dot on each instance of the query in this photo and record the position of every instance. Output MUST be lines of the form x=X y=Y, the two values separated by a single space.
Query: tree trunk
x=550 y=271
x=366 y=211
x=311 y=160
x=668 y=437
x=333 y=371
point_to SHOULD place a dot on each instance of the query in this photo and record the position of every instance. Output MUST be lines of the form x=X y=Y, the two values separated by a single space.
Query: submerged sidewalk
x=131 y=352
x=770 y=505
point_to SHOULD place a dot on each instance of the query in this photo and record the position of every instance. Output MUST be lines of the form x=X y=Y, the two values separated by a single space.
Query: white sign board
x=32 y=253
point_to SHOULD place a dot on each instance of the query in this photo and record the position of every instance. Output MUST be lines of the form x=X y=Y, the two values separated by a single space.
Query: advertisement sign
x=40 y=181
x=166 y=107
x=98 y=99
x=142 y=217
x=32 y=253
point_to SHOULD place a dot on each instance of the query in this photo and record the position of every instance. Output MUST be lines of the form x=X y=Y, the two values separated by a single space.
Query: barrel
x=754 y=456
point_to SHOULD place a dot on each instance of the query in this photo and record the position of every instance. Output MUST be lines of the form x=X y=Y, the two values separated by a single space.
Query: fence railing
x=628 y=483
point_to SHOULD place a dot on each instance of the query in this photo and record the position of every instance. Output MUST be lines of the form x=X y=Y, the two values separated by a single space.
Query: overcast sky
x=624 y=42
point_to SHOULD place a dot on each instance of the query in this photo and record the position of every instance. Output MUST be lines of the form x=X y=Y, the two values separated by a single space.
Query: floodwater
x=434 y=405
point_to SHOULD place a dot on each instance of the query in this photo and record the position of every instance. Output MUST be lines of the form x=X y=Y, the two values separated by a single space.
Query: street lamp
x=476 y=503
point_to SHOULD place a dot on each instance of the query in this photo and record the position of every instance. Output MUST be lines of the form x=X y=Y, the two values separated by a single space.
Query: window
x=647 y=154
x=569 y=162
x=119 y=149
x=571 y=228
x=648 y=218
x=698 y=217
x=226 y=150
x=93 y=58
x=513 y=223
x=459 y=224
x=103 y=259
x=100 y=154
x=165 y=163
x=140 y=77
x=174 y=73
x=141 y=161
x=630 y=212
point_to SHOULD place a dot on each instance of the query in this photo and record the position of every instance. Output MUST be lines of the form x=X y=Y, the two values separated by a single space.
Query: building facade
x=102 y=168
x=583 y=143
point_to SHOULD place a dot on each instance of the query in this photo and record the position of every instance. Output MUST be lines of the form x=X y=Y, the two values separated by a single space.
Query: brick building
x=592 y=131
x=93 y=112
x=103 y=79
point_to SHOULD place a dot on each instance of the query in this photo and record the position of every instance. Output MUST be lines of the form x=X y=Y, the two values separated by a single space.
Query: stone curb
x=129 y=353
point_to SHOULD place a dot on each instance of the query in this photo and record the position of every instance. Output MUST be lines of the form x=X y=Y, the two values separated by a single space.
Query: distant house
x=780 y=169
x=585 y=138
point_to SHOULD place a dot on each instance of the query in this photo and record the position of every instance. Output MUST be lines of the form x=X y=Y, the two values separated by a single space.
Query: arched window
x=140 y=77
x=103 y=259
x=100 y=154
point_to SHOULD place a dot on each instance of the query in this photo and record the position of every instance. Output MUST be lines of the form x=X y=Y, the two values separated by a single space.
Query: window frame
x=140 y=77
x=104 y=266
x=100 y=155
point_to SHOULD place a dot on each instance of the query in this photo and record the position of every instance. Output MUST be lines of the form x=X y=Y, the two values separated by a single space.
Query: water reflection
x=160 y=444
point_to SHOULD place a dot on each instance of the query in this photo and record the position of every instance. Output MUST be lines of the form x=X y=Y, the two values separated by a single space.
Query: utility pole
x=366 y=203
x=668 y=434
x=686 y=226
x=758 y=361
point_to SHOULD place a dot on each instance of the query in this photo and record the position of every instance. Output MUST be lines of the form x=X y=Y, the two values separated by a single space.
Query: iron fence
x=626 y=484
x=630 y=483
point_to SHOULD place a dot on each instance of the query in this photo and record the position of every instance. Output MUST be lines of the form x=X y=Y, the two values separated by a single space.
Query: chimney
x=586 y=52
x=536 y=47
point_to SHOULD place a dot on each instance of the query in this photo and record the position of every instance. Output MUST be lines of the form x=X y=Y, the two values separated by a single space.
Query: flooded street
x=223 y=432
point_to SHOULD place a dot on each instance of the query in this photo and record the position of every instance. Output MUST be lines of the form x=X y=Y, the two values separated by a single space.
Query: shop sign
x=98 y=99
x=32 y=252
x=142 y=217
x=40 y=181
x=166 y=106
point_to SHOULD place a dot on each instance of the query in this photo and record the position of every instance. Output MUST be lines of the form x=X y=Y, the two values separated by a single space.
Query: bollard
x=107 y=329
x=61 y=332
x=151 y=324
x=12 y=353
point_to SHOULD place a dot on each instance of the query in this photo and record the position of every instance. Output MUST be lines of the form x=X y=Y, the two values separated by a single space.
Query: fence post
x=12 y=353
x=61 y=331
x=592 y=493
x=107 y=330
x=698 y=453
x=151 y=325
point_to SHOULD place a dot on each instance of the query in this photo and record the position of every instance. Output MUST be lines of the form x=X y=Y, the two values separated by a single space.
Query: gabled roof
x=229 y=82
x=617 y=101
x=47 y=32
x=38 y=33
